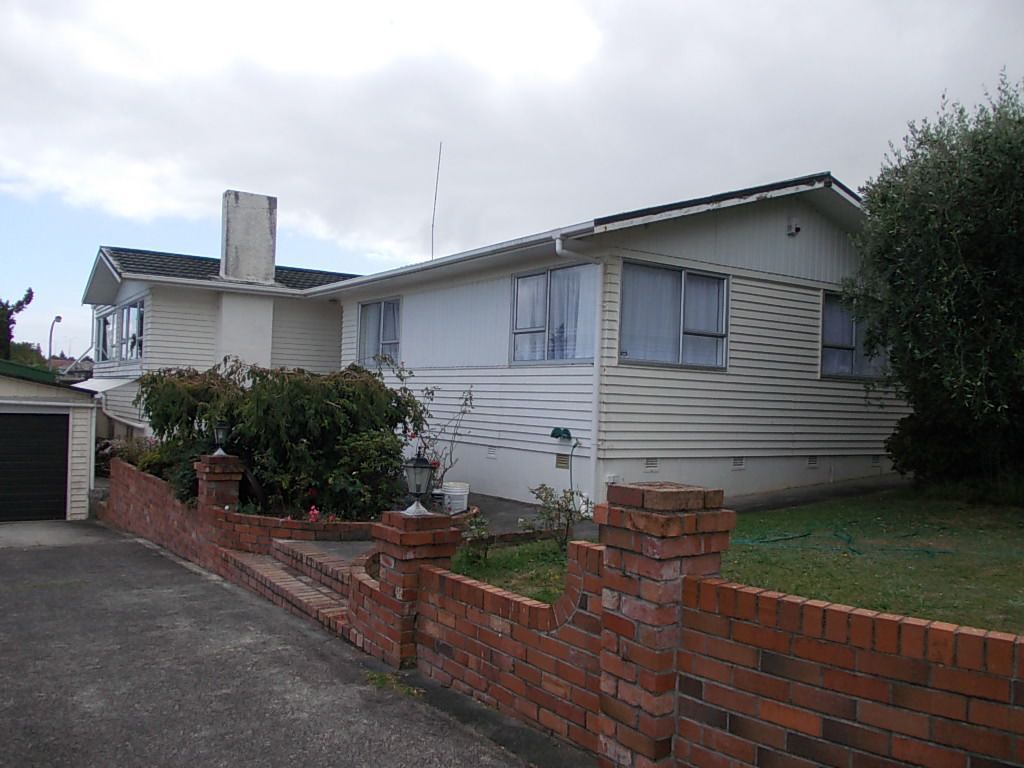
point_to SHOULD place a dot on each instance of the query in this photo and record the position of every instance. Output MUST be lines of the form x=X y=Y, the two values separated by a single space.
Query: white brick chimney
x=248 y=237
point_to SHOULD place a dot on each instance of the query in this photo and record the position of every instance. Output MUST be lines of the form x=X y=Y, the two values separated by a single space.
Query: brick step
x=329 y=569
x=288 y=588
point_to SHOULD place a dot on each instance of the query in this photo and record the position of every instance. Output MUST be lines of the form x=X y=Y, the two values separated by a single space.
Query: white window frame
x=380 y=331
x=855 y=347
x=546 y=272
x=125 y=344
x=683 y=332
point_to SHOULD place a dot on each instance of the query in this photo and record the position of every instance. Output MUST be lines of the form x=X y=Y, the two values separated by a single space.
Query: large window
x=842 y=343
x=119 y=333
x=555 y=315
x=378 y=330
x=672 y=316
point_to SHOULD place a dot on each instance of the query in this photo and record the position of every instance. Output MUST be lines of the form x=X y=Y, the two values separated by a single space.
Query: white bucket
x=456 y=497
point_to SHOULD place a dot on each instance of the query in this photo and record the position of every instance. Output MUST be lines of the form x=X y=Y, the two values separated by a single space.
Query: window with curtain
x=672 y=316
x=554 y=314
x=842 y=343
x=378 y=330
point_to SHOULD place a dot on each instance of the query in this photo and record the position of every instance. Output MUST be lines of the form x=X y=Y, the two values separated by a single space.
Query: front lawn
x=535 y=570
x=901 y=551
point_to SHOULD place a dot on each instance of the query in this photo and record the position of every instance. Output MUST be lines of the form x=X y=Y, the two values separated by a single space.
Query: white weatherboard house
x=700 y=341
x=160 y=310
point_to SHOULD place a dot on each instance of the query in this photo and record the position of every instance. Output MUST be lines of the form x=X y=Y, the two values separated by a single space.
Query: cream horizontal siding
x=456 y=336
x=117 y=403
x=769 y=402
x=307 y=334
x=514 y=407
x=181 y=329
x=751 y=237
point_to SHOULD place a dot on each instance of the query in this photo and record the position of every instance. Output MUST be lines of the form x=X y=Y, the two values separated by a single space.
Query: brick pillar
x=406 y=542
x=219 y=479
x=654 y=534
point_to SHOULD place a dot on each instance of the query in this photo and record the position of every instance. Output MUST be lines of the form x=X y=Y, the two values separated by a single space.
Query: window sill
x=559 y=363
x=673 y=366
x=851 y=378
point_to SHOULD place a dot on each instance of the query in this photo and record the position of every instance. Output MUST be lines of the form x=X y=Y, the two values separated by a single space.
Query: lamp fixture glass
x=221 y=432
x=419 y=477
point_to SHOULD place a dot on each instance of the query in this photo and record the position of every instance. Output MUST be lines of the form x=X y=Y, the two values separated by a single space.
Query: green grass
x=903 y=552
x=909 y=552
x=535 y=570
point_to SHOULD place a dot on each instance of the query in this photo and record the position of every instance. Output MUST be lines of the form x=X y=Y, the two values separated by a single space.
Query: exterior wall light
x=221 y=432
x=419 y=477
x=561 y=433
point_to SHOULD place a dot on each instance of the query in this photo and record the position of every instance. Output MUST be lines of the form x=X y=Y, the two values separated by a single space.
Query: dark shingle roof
x=178 y=265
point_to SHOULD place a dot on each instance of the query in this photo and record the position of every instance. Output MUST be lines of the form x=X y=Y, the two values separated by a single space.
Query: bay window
x=119 y=333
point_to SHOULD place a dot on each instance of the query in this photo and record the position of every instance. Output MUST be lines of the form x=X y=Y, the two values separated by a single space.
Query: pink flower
x=314 y=513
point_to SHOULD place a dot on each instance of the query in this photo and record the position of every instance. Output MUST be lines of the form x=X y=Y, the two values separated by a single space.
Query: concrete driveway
x=113 y=653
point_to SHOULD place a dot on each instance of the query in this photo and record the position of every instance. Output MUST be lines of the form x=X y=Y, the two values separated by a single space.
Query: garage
x=34 y=457
x=47 y=432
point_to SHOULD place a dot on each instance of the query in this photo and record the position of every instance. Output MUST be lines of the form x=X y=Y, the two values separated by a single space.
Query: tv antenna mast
x=433 y=214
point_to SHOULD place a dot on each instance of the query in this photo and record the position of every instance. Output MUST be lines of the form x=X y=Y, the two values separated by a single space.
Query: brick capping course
x=649 y=658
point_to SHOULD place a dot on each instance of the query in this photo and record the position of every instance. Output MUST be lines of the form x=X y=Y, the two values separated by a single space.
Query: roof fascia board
x=722 y=204
x=215 y=285
x=101 y=258
x=355 y=283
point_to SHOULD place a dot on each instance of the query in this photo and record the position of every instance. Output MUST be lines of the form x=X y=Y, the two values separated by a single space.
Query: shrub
x=558 y=512
x=330 y=438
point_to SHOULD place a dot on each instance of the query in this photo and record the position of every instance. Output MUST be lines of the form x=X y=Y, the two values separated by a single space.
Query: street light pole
x=49 y=350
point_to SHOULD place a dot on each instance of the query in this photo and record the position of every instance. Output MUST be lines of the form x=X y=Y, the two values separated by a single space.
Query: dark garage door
x=33 y=466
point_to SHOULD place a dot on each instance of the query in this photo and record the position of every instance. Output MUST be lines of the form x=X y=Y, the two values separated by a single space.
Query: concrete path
x=114 y=653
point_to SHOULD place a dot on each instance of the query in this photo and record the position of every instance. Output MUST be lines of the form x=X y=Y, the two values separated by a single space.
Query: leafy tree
x=7 y=322
x=941 y=287
x=26 y=353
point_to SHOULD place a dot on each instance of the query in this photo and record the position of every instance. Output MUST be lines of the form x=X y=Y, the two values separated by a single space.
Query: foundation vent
x=561 y=461
x=492 y=452
x=650 y=464
x=739 y=462
x=812 y=462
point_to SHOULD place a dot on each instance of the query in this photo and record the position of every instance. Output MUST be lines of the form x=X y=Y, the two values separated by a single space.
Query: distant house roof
x=139 y=263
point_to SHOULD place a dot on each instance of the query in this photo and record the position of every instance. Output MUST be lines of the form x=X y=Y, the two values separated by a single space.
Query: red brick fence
x=647 y=659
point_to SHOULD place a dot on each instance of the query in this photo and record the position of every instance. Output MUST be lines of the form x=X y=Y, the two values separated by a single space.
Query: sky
x=122 y=122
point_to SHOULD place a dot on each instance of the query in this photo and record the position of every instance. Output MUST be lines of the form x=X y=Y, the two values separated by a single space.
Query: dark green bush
x=332 y=440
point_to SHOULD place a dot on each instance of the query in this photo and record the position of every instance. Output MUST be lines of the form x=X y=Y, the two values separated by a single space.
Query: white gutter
x=507 y=246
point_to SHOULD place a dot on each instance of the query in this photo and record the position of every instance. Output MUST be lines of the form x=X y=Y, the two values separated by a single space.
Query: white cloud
x=551 y=112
